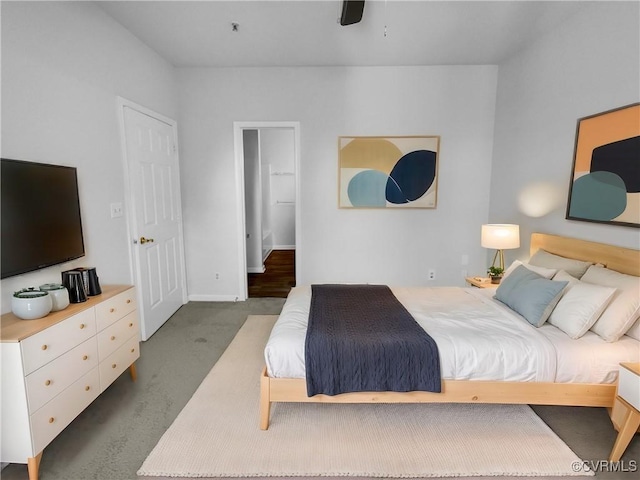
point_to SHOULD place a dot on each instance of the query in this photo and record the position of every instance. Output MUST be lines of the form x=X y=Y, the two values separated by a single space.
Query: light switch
x=116 y=210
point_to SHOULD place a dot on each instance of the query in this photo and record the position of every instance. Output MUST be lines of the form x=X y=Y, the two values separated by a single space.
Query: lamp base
x=499 y=254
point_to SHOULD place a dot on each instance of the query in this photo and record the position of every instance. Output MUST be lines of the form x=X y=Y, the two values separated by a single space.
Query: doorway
x=267 y=164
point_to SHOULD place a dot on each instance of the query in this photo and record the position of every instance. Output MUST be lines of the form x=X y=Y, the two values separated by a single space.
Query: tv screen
x=41 y=223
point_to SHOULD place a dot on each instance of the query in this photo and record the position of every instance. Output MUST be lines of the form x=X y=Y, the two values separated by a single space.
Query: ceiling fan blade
x=351 y=11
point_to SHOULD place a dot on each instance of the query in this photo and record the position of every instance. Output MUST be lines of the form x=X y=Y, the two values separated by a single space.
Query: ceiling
x=307 y=33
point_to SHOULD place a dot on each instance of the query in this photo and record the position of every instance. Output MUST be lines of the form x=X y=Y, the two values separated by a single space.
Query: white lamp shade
x=500 y=236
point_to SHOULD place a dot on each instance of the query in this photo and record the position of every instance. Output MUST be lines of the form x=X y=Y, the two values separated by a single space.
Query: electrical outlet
x=217 y=276
x=432 y=274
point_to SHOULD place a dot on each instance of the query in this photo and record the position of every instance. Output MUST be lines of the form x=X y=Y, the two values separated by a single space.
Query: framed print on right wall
x=605 y=179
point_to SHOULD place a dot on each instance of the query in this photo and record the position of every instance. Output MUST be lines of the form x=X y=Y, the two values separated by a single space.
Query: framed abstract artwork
x=388 y=172
x=605 y=179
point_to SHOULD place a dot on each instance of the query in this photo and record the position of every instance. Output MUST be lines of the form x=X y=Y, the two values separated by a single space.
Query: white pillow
x=624 y=308
x=543 y=272
x=580 y=306
x=634 y=331
x=575 y=268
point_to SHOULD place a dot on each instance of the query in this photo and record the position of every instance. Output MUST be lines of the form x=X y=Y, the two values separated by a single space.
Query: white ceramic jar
x=29 y=304
x=59 y=295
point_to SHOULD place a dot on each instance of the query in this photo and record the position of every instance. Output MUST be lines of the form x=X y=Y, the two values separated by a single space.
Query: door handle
x=145 y=240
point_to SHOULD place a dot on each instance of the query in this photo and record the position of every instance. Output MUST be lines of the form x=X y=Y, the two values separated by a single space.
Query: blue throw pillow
x=529 y=294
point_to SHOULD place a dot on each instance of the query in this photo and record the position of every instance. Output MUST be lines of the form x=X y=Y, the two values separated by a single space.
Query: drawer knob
x=113 y=366
x=131 y=325
x=128 y=300
x=113 y=337
x=82 y=325
x=87 y=388
x=85 y=357
x=111 y=310
x=51 y=420
x=47 y=383
x=44 y=347
x=133 y=350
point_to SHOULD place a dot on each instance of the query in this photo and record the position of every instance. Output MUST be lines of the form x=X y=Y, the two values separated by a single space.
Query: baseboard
x=213 y=298
x=256 y=269
x=284 y=247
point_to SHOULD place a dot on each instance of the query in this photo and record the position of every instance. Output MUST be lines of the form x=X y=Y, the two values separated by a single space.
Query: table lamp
x=500 y=237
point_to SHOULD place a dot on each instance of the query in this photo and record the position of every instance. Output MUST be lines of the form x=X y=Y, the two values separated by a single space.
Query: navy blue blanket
x=360 y=338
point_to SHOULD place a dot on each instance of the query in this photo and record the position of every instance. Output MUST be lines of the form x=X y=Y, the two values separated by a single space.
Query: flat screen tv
x=41 y=222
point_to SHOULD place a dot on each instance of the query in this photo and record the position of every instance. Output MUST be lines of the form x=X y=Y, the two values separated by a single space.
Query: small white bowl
x=59 y=295
x=29 y=304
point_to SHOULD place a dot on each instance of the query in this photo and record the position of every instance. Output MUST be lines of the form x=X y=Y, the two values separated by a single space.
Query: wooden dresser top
x=14 y=329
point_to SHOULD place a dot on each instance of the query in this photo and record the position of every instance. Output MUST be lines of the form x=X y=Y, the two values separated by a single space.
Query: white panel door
x=157 y=222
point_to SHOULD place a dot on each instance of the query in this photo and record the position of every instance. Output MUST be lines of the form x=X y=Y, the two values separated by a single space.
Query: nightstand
x=481 y=282
x=628 y=396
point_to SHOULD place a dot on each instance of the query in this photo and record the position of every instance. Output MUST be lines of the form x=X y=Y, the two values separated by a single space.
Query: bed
x=540 y=366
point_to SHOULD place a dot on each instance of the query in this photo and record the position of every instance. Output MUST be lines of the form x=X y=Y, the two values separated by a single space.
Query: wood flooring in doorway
x=278 y=278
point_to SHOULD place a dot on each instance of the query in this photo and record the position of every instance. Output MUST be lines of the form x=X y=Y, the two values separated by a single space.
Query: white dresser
x=54 y=367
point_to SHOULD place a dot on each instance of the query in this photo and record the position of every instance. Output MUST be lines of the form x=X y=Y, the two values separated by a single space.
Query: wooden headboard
x=624 y=260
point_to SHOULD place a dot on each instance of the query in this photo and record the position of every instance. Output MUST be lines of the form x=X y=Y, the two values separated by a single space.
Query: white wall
x=277 y=147
x=589 y=65
x=265 y=217
x=63 y=65
x=252 y=200
x=395 y=247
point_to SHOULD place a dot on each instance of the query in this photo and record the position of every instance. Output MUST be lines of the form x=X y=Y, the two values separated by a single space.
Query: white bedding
x=478 y=338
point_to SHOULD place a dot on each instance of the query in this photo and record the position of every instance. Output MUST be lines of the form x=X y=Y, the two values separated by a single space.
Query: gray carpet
x=113 y=436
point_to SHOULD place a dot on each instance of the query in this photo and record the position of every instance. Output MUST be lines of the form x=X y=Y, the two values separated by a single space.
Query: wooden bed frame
x=621 y=259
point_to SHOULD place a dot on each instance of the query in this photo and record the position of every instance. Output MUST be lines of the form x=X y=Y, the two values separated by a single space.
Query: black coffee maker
x=91 y=282
x=73 y=281
x=82 y=283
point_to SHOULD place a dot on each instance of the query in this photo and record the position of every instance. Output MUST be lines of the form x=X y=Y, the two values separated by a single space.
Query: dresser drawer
x=43 y=347
x=114 y=336
x=48 y=381
x=53 y=417
x=115 y=308
x=119 y=361
x=629 y=387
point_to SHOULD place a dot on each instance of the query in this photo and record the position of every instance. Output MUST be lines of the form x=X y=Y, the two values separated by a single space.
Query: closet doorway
x=267 y=154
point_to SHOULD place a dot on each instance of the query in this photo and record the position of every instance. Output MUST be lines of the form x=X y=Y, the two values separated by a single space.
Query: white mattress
x=478 y=338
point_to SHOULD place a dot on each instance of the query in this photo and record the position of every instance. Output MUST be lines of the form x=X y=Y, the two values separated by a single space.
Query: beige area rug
x=217 y=433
